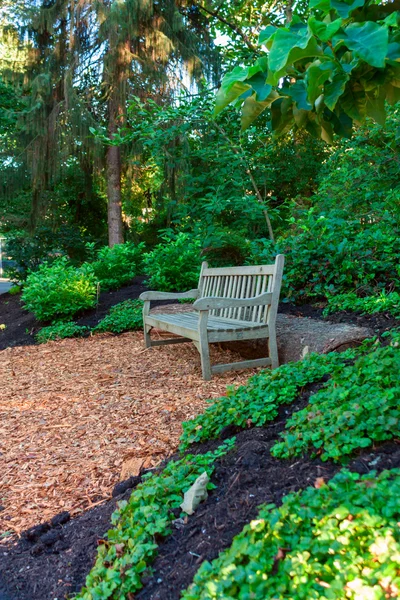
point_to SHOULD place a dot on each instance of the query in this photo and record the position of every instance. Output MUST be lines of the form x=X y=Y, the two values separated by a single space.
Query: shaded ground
x=56 y=563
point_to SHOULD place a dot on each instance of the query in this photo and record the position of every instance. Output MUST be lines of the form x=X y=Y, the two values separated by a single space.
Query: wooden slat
x=251 y=270
x=245 y=364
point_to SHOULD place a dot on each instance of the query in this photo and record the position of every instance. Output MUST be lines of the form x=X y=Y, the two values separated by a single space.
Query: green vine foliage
x=60 y=331
x=259 y=400
x=126 y=554
x=382 y=303
x=125 y=316
x=358 y=407
x=337 y=68
x=341 y=540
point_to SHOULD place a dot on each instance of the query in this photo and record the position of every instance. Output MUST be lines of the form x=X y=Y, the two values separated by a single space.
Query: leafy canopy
x=325 y=74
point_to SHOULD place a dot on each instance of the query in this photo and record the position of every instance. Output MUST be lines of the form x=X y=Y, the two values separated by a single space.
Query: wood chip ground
x=72 y=412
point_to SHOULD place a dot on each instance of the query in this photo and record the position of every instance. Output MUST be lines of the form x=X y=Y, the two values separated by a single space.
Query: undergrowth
x=140 y=523
x=358 y=406
x=259 y=400
x=60 y=331
x=341 y=540
x=384 y=302
x=125 y=316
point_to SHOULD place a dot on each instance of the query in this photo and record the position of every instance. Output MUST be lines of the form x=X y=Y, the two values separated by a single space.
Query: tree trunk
x=115 y=227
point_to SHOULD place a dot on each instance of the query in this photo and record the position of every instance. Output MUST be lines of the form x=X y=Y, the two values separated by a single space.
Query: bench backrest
x=244 y=282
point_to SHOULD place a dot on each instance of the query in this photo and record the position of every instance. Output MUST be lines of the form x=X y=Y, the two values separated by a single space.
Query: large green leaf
x=335 y=89
x=354 y=102
x=323 y=5
x=258 y=84
x=324 y=31
x=285 y=43
x=266 y=34
x=375 y=106
x=344 y=9
x=224 y=98
x=298 y=92
x=252 y=108
x=369 y=41
x=316 y=75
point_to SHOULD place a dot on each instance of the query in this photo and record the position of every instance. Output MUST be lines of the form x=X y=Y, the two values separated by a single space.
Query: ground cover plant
x=60 y=331
x=359 y=406
x=140 y=523
x=382 y=303
x=259 y=400
x=59 y=290
x=125 y=316
x=339 y=539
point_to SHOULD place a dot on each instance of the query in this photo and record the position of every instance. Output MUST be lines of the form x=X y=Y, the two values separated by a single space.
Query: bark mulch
x=53 y=562
x=71 y=413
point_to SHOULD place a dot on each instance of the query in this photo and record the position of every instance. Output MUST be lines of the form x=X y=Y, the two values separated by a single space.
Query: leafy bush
x=124 y=316
x=59 y=290
x=175 y=264
x=132 y=544
x=118 y=265
x=45 y=245
x=338 y=541
x=15 y=290
x=258 y=401
x=59 y=331
x=385 y=302
x=359 y=406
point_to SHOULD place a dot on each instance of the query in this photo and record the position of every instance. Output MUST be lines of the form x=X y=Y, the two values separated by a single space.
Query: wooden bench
x=233 y=303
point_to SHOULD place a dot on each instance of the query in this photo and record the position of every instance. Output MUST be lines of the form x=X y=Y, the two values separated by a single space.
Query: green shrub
x=125 y=316
x=385 y=302
x=358 y=407
x=341 y=540
x=259 y=400
x=139 y=523
x=59 y=290
x=175 y=264
x=59 y=331
x=118 y=265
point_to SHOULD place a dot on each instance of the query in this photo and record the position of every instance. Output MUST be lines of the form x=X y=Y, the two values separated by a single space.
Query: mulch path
x=71 y=413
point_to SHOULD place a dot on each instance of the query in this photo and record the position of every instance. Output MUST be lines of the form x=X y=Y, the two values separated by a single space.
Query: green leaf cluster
x=325 y=74
x=174 y=265
x=59 y=290
x=339 y=541
x=60 y=331
x=259 y=400
x=358 y=407
x=131 y=545
x=116 y=266
x=387 y=302
x=125 y=316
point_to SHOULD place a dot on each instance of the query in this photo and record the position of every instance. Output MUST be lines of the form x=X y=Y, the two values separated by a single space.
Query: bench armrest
x=216 y=302
x=146 y=296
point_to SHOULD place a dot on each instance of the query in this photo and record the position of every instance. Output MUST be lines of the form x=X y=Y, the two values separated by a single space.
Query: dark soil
x=22 y=326
x=52 y=561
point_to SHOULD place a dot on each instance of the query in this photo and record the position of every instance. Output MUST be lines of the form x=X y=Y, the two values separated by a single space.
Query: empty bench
x=232 y=303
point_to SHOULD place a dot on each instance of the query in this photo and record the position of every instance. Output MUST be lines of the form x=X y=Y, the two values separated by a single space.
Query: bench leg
x=205 y=360
x=147 y=338
x=273 y=350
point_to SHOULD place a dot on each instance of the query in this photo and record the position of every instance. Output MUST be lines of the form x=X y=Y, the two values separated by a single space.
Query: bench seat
x=187 y=324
